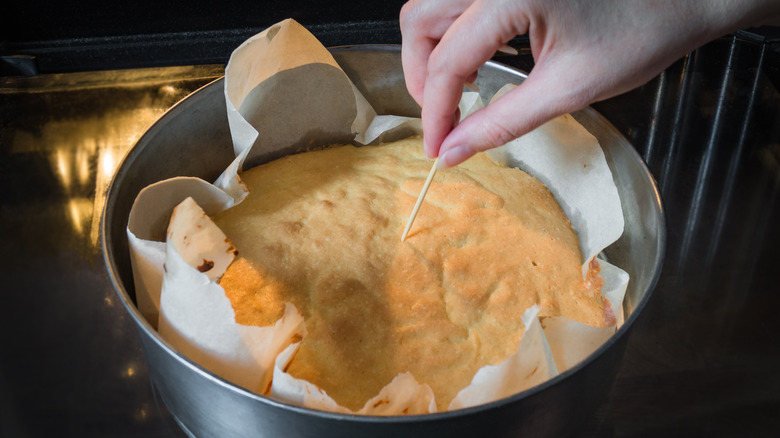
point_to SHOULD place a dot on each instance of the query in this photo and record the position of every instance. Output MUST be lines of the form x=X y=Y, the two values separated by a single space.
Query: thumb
x=526 y=107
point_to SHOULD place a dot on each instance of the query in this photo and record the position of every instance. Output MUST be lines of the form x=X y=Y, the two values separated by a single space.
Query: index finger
x=423 y=23
x=468 y=43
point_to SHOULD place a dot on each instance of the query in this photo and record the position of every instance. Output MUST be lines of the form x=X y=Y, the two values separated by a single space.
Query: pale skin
x=584 y=51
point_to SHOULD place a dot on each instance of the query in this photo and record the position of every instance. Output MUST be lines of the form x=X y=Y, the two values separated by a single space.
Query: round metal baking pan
x=206 y=405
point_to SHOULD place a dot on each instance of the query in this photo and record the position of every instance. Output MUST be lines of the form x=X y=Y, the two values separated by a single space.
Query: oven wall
x=54 y=37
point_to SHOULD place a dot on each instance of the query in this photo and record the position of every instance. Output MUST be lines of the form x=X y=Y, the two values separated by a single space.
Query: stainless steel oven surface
x=701 y=360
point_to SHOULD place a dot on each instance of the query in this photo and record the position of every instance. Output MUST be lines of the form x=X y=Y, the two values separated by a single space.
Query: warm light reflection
x=81 y=164
x=62 y=167
x=86 y=155
x=141 y=415
x=107 y=163
x=169 y=90
x=80 y=213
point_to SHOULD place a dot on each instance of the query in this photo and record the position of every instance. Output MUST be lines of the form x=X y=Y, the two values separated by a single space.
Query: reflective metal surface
x=69 y=351
x=702 y=359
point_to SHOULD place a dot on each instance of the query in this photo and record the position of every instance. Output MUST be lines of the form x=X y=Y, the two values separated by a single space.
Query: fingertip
x=430 y=151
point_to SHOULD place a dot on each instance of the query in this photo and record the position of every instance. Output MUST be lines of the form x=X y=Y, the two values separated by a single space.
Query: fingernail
x=453 y=156
x=509 y=50
x=471 y=86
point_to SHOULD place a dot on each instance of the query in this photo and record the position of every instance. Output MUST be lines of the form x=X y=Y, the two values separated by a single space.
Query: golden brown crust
x=322 y=230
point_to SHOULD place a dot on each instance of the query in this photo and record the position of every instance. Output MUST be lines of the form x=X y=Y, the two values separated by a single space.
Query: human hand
x=584 y=51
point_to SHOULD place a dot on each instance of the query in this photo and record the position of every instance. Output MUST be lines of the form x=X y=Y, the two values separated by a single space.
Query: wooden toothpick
x=420 y=199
